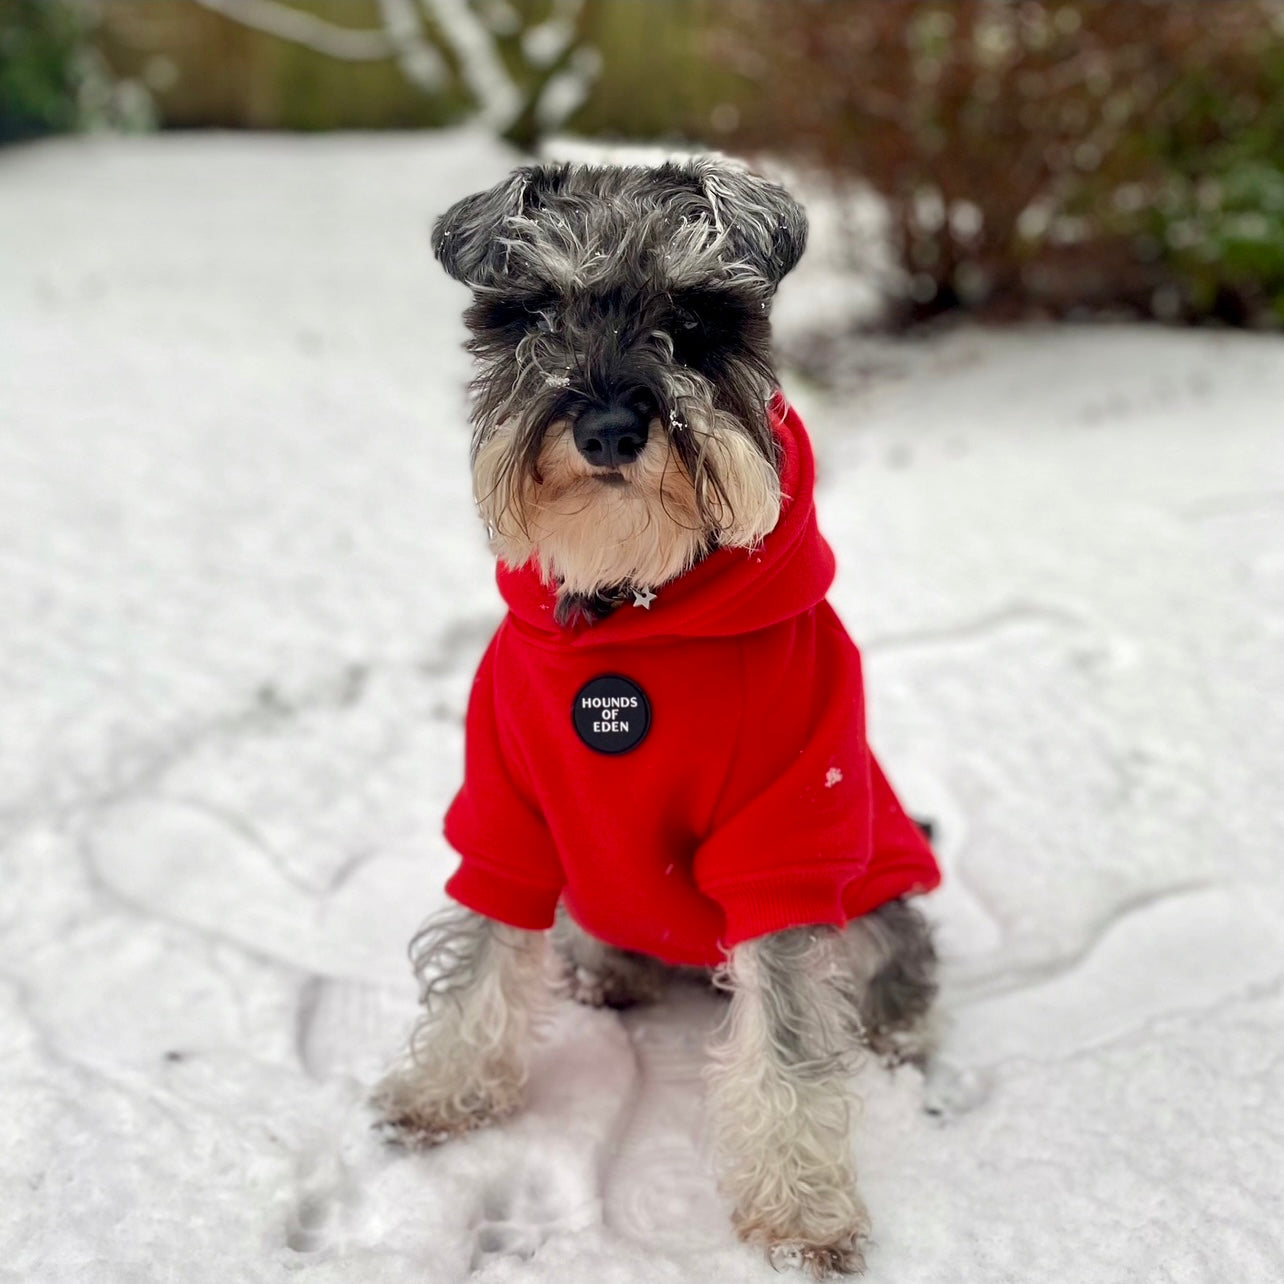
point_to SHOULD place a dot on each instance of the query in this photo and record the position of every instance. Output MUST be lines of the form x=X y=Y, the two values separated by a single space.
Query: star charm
x=643 y=597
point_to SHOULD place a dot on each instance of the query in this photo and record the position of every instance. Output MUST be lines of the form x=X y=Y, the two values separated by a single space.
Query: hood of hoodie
x=733 y=590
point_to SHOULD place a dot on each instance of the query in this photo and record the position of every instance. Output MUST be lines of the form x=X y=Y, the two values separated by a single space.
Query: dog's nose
x=611 y=436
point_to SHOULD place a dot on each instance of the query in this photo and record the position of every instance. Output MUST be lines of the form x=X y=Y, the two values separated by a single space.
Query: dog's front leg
x=483 y=986
x=780 y=1104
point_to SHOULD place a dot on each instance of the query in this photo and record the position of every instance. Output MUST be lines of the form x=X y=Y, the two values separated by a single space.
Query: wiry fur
x=483 y=987
x=891 y=960
x=583 y=226
x=804 y=1003
x=599 y=284
x=780 y=1107
x=585 y=535
x=598 y=975
x=646 y=292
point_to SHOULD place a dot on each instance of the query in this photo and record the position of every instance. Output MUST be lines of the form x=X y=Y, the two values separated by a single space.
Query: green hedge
x=40 y=43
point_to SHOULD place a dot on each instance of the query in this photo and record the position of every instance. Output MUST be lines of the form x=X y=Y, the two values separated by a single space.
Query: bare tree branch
x=550 y=48
x=419 y=59
x=498 y=99
x=281 y=20
x=547 y=42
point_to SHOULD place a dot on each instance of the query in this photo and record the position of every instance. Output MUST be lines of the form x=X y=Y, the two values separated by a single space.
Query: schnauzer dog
x=666 y=765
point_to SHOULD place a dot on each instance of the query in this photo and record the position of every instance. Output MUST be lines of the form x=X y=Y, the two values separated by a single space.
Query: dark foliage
x=1082 y=155
x=39 y=44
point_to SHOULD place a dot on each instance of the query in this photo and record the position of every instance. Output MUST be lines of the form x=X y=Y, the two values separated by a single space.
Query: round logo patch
x=611 y=714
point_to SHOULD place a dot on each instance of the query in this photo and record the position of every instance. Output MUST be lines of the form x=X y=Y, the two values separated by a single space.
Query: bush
x=39 y=44
x=53 y=78
x=1217 y=218
x=1052 y=157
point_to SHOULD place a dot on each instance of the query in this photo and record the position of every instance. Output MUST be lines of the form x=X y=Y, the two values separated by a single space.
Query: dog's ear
x=468 y=239
x=764 y=225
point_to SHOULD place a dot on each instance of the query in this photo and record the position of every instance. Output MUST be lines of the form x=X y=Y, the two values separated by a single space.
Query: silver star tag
x=643 y=597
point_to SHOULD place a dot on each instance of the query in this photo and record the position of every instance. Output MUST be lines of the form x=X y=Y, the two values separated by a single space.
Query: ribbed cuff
x=909 y=878
x=502 y=897
x=793 y=898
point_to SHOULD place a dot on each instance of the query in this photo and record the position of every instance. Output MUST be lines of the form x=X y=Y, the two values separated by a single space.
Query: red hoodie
x=687 y=773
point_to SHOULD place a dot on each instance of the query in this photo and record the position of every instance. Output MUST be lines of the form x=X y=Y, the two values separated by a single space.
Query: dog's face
x=620 y=326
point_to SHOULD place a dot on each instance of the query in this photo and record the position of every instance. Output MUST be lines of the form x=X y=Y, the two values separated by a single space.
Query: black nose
x=611 y=436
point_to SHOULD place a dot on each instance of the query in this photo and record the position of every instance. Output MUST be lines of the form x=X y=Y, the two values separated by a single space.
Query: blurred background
x=1061 y=158
x=243 y=593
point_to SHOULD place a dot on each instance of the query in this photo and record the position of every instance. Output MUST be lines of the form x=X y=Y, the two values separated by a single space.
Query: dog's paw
x=597 y=989
x=618 y=988
x=583 y=986
x=419 y=1131
x=822 y=1257
x=414 y=1120
x=896 y=1048
x=820 y=1261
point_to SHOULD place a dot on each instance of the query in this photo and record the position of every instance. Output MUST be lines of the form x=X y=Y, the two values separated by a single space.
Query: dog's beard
x=655 y=519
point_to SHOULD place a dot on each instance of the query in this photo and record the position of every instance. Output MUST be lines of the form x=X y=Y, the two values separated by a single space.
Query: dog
x=666 y=766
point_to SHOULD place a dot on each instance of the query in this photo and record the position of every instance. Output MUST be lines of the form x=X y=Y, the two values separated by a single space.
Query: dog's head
x=620 y=326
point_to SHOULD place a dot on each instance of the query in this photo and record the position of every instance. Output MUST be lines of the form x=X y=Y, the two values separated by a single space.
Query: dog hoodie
x=691 y=771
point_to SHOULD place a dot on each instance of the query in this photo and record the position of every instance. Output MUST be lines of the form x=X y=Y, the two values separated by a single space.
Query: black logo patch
x=611 y=714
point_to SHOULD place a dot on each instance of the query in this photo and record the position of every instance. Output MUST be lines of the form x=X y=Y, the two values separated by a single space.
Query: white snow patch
x=242 y=594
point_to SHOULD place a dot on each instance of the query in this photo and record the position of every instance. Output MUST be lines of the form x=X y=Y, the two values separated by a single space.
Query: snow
x=241 y=595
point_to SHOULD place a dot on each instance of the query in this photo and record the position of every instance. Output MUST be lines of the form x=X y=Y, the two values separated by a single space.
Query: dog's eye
x=544 y=321
x=707 y=326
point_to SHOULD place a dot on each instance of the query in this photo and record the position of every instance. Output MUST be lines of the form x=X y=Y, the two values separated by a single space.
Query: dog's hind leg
x=600 y=975
x=892 y=964
x=780 y=1103
x=483 y=987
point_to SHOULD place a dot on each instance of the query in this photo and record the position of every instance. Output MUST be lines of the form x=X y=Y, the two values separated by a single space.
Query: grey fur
x=828 y=993
x=811 y=1001
x=804 y=1002
x=599 y=282
x=780 y=1104
x=882 y=979
x=553 y=221
x=595 y=286
x=483 y=988
x=599 y=975
x=896 y=1001
x=449 y=952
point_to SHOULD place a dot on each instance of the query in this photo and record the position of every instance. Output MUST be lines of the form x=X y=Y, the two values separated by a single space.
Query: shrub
x=1043 y=156
x=53 y=78
x=39 y=43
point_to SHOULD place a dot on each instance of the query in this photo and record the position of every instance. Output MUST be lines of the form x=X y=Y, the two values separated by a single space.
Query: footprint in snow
x=1178 y=951
x=659 y=1186
x=329 y=1198
x=543 y=1170
x=518 y=1212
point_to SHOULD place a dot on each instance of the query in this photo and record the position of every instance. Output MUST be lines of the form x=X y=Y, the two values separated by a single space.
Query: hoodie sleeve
x=509 y=868
x=794 y=826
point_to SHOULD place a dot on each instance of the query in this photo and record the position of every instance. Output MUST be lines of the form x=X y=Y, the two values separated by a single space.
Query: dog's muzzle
x=611 y=435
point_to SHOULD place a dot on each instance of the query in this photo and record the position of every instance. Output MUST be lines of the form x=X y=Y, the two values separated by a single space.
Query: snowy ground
x=241 y=595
